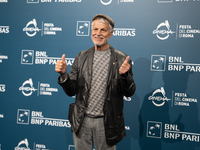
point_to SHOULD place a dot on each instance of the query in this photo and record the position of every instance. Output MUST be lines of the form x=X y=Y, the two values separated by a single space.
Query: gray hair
x=102 y=20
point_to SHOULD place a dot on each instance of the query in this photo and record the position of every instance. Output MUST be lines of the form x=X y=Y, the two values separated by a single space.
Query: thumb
x=127 y=59
x=63 y=58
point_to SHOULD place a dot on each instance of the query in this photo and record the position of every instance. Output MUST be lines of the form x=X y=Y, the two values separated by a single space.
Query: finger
x=127 y=59
x=63 y=58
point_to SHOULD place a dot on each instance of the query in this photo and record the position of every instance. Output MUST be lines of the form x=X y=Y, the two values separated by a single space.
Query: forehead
x=100 y=23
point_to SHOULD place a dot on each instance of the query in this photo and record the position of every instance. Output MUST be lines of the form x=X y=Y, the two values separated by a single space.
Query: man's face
x=101 y=33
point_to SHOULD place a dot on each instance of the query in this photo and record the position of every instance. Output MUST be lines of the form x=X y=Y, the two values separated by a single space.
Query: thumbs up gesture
x=125 y=66
x=61 y=65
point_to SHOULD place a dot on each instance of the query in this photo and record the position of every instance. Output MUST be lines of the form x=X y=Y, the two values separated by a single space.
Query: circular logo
x=158 y=100
x=27 y=87
x=106 y=3
x=163 y=30
x=31 y=28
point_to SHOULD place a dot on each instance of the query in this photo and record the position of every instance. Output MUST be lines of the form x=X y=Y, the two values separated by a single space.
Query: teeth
x=99 y=37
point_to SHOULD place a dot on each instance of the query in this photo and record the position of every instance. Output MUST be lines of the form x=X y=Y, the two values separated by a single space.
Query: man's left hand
x=125 y=66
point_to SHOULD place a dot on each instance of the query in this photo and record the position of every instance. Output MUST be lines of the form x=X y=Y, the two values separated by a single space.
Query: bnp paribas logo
x=23 y=116
x=165 y=1
x=83 y=28
x=158 y=62
x=154 y=129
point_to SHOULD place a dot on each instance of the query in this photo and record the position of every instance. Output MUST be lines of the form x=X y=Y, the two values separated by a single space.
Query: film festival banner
x=160 y=36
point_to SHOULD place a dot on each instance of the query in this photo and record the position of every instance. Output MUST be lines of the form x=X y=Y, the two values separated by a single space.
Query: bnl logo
x=165 y=1
x=154 y=129
x=23 y=116
x=27 y=57
x=158 y=62
x=83 y=28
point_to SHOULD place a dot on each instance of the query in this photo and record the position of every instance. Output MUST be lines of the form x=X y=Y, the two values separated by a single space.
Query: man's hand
x=61 y=65
x=125 y=66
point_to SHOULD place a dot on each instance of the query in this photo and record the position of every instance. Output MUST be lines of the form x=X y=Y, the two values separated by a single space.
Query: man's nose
x=98 y=32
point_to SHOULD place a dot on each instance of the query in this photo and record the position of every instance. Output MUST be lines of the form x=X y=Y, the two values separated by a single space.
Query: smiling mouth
x=98 y=37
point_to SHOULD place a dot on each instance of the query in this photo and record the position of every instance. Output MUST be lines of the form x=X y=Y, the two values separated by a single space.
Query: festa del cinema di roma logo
x=27 y=87
x=23 y=145
x=31 y=28
x=163 y=30
x=106 y=2
x=43 y=88
x=158 y=97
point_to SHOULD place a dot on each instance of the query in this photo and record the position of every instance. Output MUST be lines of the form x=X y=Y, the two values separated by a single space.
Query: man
x=100 y=77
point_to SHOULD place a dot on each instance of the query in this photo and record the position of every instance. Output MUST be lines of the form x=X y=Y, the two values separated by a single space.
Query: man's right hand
x=61 y=65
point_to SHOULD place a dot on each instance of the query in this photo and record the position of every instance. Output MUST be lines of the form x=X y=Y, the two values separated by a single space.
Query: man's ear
x=111 y=33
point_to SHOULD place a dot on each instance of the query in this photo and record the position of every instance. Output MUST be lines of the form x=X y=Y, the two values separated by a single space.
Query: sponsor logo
x=83 y=28
x=23 y=116
x=154 y=129
x=2 y=87
x=106 y=2
x=41 y=58
x=165 y=1
x=32 y=1
x=3 y=57
x=158 y=62
x=163 y=30
x=3 y=1
x=23 y=145
x=175 y=63
x=4 y=29
x=27 y=88
x=37 y=118
x=124 y=32
x=171 y=131
x=27 y=57
x=158 y=97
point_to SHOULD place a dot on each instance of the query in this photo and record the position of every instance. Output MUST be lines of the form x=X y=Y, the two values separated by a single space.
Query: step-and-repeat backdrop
x=162 y=38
